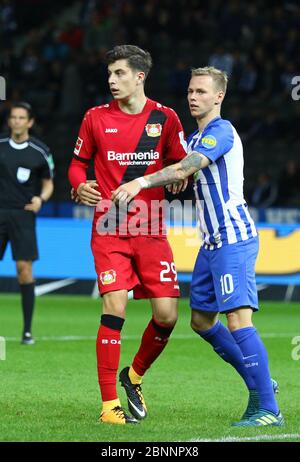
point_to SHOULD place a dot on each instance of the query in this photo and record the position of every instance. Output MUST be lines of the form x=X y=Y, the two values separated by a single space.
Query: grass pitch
x=49 y=391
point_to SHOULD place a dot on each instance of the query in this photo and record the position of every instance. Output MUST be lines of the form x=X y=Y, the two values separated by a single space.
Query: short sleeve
x=176 y=142
x=47 y=169
x=216 y=141
x=85 y=144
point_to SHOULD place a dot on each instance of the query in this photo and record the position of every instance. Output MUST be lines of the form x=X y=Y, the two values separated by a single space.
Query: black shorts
x=18 y=227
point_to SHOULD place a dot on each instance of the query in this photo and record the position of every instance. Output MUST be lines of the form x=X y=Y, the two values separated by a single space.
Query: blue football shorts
x=224 y=279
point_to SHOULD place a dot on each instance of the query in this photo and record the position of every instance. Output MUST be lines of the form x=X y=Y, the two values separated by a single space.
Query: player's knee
x=233 y=321
x=198 y=325
x=202 y=321
x=114 y=310
x=24 y=272
x=239 y=319
x=167 y=319
x=194 y=325
x=115 y=304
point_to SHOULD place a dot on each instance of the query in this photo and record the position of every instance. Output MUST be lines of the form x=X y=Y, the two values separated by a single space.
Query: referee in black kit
x=26 y=181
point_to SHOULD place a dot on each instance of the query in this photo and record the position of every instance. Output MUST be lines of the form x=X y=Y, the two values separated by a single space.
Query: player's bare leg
x=153 y=342
x=108 y=349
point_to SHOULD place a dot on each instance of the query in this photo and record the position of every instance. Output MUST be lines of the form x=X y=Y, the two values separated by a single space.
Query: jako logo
x=105 y=341
x=111 y=130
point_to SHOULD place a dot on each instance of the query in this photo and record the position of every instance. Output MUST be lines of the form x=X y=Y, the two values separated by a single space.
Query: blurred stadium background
x=51 y=55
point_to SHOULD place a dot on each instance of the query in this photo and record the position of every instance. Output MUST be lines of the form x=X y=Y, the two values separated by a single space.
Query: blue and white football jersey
x=222 y=211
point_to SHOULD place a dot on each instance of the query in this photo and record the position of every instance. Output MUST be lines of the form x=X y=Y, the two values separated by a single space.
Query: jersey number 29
x=169 y=268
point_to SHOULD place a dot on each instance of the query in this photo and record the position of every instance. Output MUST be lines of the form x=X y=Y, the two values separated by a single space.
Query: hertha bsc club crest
x=108 y=277
x=153 y=129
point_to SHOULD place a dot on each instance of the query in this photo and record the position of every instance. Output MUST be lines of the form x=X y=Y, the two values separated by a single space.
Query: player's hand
x=179 y=186
x=126 y=192
x=34 y=205
x=74 y=196
x=87 y=193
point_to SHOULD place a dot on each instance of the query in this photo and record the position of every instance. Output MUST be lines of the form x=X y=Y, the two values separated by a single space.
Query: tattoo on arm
x=192 y=162
x=189 y=165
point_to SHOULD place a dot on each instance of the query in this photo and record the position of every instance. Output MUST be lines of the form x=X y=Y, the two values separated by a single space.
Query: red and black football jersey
x=126 y=146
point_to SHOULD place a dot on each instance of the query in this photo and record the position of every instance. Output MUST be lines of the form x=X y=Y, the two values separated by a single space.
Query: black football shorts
x=18 y=228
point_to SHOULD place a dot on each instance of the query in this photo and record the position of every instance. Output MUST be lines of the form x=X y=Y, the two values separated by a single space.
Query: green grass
x=49 y=391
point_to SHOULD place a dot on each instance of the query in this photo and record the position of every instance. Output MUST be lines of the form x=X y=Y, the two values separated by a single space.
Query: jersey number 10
x=226 y=284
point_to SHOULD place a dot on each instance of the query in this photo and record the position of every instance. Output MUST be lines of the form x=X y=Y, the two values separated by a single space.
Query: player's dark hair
x=138 y=59
x=23 y=105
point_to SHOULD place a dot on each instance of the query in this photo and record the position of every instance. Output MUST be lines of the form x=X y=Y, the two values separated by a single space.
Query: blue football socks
x=256 y=363
x=226 y=347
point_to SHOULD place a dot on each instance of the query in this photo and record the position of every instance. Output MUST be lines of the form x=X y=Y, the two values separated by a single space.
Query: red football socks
x=108 y=349
x=153 y=342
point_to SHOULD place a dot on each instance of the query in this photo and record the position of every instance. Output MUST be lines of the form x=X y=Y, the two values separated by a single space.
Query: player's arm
x=171 y=174
x=176 y=148
x=83 y=191
x=87 y=193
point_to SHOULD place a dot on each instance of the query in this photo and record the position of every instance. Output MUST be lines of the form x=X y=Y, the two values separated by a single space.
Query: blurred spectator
x=265 y=192
x=246 y=84
x=222 y=59
x=54 y=58
x=8 y=23
x=179 y=78
x=55 y=73
x=289 y=184
x=53 y=47
x=71 y=36
x=264 y=126
x=94 y=78
x=99 y=33
x=71 y=101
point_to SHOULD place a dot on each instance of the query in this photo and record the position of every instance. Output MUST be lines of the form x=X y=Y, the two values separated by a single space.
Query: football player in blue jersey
x=224 y=274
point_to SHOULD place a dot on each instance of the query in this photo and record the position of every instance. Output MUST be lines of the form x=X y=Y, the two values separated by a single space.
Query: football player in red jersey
x=128 y=138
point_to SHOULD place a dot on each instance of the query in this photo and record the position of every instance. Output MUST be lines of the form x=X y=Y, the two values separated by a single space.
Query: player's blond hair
x=219 y=77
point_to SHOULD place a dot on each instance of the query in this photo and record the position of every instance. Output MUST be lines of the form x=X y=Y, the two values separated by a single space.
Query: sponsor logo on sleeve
x=153 y=129
x=209 y=142
x=78 y=146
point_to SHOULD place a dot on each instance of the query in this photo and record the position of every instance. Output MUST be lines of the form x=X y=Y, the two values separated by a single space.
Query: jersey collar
x=18 y=145
x=144 y=110
x=210 y=122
